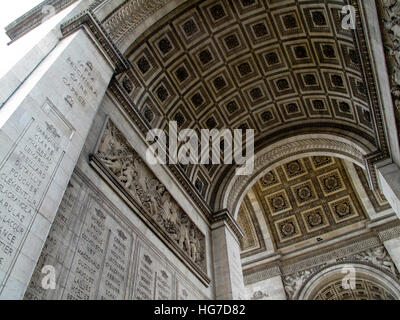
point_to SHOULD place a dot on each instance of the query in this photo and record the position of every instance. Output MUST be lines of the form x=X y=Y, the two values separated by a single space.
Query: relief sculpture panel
x=130 y=172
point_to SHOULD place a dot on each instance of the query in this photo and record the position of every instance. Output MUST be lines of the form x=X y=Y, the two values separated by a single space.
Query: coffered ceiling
x=313 y=197
x=364 y=290
x=280 y=67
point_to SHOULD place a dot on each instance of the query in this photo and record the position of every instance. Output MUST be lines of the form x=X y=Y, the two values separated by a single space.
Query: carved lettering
x=24 y=176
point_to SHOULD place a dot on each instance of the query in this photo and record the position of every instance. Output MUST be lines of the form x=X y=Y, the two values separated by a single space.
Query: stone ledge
x=225 y=216
x=86 y=19
x=34 y=18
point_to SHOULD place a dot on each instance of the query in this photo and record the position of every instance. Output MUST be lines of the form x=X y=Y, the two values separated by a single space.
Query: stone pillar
x=389 y=180
x=44 y=123
x=372 y=22
x=226 y=255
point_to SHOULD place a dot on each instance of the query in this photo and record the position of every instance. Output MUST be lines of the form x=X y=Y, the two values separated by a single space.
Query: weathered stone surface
x=98 y=255
x=133 y=175
x=226 y=254
x=128 y=230
x=43 y=128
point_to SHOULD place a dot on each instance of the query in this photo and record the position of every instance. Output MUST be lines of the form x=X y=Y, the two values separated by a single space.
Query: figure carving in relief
x=154 y=196
x=379 y=257
x=170 y=214
x=391 y=12
x=141 y=178
x=391 y=15
x=128 y=176
x=175 y=214
x=110 y=145
x=395 y=56
x=291 y=285
x=133 y=174
x=135 y=180
x=166 y=205
x=114 y=163
x=193 y=249
x=111 y=152
x=194 y=245
x=294 y=281
x=171 y=223
x=184 y=239
x=107 y=143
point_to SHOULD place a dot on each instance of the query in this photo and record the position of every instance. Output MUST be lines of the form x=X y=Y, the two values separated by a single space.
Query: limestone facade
x=78 y=195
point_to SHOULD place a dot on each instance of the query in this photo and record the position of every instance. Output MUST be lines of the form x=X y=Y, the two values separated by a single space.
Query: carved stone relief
x=130 y=16
x=134 y=176
x=294 y=282
x=377 y=257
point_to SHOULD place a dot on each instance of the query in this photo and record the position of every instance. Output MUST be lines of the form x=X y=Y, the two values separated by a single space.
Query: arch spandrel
x=370 y=283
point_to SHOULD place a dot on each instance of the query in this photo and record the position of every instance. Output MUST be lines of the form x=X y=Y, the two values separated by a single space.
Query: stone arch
x=363 y=272
x=232 y=192
x=131 y=25
x=128 y=21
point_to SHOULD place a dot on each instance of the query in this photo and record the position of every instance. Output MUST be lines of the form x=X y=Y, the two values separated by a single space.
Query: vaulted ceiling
x=278 y=67
x=365 y=290
x=309 y=198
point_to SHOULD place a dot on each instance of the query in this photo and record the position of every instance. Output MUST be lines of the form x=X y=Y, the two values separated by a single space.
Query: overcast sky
x=9 y=11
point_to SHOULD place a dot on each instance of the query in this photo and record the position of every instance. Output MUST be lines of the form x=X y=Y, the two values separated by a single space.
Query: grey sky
x=9 y=11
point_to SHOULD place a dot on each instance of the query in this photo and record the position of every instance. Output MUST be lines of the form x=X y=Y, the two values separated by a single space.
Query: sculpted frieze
x=294 y=282
x=378 y=256
x=129 y=16
x=130 y=171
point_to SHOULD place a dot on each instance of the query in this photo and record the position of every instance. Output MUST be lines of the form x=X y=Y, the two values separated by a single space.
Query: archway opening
x=304 y=206
x=302 y=201
x=351 y=282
